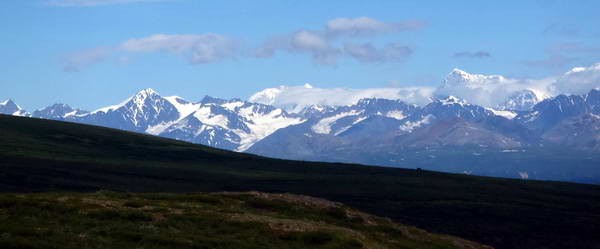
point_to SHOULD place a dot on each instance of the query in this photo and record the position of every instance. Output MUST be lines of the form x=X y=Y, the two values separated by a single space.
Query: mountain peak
x=147 y=92
x=458 y=75
x=449 y=100
x=457 y=71
x=8 y=102
x=10 y=107
x=143 y=95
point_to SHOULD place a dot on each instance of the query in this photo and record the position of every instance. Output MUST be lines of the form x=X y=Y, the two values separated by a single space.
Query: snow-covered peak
x=461 y=78
x=267 y=96
x=183 y=106
x=458 y=74
x=11 y=108
x=147 y=92
x=451 y=100
x=142 y=97
x=315 y=110
x=9 y=103
x=233 y=105
x=57 y=111
x=177 y=100
x=139 y=100
x=520 y=101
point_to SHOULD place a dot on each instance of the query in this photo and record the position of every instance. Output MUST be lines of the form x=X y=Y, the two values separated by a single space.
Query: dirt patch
x=102 y=203
x=280 y=225
x=291 y=198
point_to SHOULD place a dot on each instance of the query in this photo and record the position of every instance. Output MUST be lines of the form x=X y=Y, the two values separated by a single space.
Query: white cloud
x=294 y=98
x=320 y=44
x=197 y=48
x=203 y=48
x=78 y=60
x=90 y=3
x=302 y=41
x=313 y=43
x=493 y=90
x=309 y=41
x=485 y=90
x=490 y=90
x=579 y=80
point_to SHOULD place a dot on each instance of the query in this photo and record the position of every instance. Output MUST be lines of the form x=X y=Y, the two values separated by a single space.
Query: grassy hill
x=220 y=220
x=44 y=156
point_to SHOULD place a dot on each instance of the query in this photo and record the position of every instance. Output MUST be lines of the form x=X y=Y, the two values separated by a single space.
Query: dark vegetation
x=44 y=156
x=221 y=220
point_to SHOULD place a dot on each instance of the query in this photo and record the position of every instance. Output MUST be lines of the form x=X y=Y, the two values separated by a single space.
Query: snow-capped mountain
x=453 y=107
x=379 y=123
x=520 y=101
x=9 y=107
x=371 y=131
x=467 y=119
x=57 y=111
x=138 y=113
x=337 y=120
x=240 y=125
x=550 y=112
x=229 y=124
x=460 y=78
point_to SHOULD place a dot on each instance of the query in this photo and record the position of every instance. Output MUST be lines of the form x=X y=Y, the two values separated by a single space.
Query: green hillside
x=220 y=220
x=46 y=156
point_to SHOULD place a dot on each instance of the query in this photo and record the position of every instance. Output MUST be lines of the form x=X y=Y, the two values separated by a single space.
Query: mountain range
x=528 y=136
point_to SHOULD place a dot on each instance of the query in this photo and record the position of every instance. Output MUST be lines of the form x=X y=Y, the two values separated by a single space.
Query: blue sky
x=77 y=51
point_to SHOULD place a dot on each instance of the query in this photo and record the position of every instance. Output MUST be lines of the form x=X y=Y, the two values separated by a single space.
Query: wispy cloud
x=91 y=3
x=365 y=26
x=320 y=44
x=196 y=48
x=472 y=55
x=368 y=53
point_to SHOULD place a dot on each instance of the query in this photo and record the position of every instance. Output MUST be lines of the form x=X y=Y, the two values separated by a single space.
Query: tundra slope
x=38 y=155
